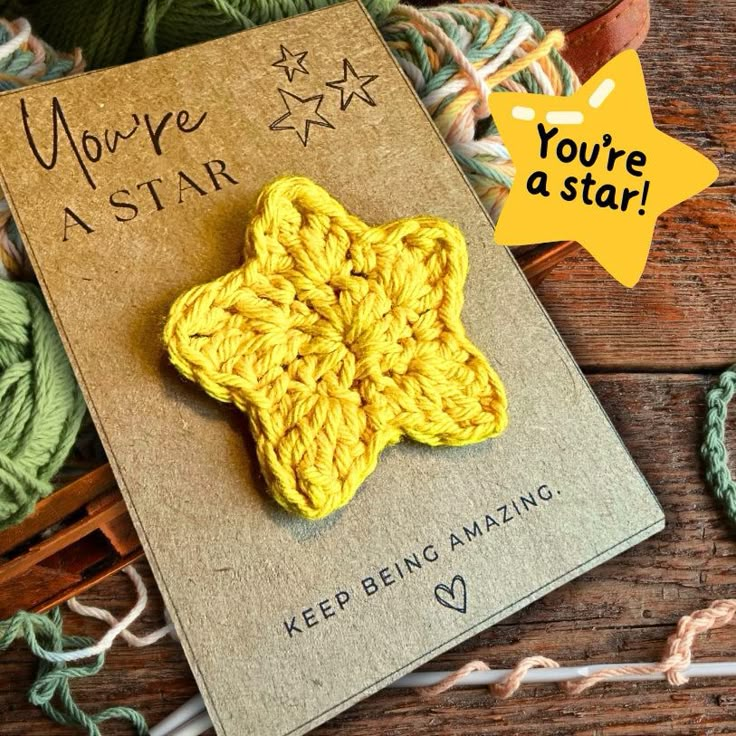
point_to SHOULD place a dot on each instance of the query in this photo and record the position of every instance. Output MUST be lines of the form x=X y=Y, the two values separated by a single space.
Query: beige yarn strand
x=676 y=658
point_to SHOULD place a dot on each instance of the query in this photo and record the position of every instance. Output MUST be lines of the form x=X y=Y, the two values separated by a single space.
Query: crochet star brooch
x=337 y=339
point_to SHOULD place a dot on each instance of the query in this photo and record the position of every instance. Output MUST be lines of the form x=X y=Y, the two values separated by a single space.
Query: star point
x=353 y=85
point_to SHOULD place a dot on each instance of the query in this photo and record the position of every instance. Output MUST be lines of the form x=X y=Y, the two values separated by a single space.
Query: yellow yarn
x=538 y=53
x=337 y=339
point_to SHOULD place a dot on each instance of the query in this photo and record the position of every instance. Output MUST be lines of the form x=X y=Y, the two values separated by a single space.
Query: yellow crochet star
x=337 y=339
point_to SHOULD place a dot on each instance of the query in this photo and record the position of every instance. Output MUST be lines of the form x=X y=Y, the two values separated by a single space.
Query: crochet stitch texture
x=337 y=339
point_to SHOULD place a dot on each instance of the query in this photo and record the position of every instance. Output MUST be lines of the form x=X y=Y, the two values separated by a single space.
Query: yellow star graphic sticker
x=337 y=339
x=593 y=168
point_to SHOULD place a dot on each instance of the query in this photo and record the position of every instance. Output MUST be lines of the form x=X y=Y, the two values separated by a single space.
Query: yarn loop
x=51 y=690
x=713 y=449
x=41 y=406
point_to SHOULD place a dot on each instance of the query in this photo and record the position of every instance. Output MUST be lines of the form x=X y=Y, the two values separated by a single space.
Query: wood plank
x=25 y=588
x=58 y=506
x=114 y=508
x=76 y=588
x=681 y=315
x=539 y=262
x=622 y=611
x=120 y=532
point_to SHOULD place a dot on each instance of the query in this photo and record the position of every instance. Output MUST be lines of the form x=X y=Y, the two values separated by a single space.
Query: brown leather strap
x=622 y=25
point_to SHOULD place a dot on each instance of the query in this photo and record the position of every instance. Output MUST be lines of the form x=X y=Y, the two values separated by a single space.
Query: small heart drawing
x=452 y=596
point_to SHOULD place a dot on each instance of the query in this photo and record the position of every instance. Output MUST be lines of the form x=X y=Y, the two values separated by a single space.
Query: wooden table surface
x=649 y=354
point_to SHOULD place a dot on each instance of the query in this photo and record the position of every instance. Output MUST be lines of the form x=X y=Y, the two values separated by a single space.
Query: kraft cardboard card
x=130 y=186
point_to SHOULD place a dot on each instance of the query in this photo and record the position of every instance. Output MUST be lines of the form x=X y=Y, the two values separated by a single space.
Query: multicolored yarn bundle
x=14 y=263
x=24 y=59
x=455 y=56
x=41 y=406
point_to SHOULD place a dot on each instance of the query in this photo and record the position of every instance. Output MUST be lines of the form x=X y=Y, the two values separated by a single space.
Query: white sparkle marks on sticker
x=601 y=93
x=565 y=117
x=519 y=112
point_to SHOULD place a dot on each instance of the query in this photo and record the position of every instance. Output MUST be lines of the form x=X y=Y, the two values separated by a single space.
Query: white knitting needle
x=196 y=726
x=192 y=720
x=190 y=709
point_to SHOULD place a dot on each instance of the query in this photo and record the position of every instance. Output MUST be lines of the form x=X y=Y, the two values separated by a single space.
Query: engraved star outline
x=289 y=100
x=291 y=62
x=352 y=85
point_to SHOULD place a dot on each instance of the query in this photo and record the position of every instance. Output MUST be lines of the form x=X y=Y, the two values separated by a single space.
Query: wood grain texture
x=649 y=352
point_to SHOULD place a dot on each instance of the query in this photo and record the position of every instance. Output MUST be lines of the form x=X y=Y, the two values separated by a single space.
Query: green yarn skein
x=51 y=690
x=41 y=406
x=713 y=449
x=115 y=31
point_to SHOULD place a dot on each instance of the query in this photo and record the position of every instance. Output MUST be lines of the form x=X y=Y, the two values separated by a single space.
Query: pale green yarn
x=111 y=32
x=51 y=690
x=41 y=406
x=713 y=449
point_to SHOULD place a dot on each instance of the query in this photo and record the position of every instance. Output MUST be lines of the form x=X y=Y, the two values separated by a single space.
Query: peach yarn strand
x=676 y=658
